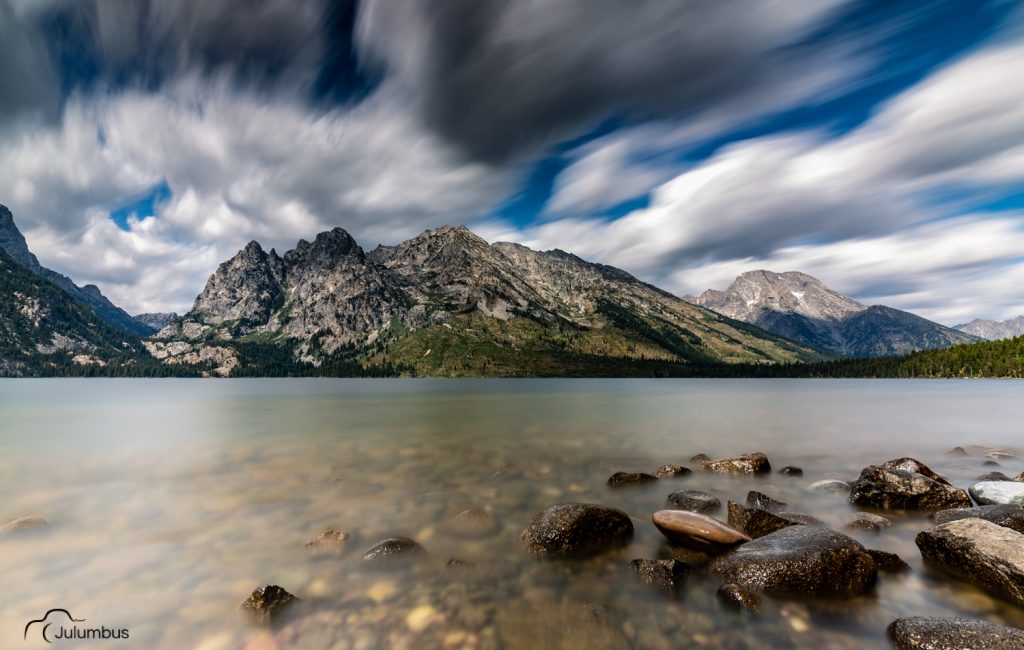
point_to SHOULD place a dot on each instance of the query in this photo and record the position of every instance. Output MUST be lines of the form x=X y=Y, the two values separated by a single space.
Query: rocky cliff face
x=801 y=308
x=329 y=296
x=157 y=320
x=994 y=330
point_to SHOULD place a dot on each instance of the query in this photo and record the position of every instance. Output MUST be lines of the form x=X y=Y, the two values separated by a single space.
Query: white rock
x=998 y=493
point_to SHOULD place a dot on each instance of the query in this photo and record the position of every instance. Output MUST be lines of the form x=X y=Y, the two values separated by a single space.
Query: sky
x=877 y=145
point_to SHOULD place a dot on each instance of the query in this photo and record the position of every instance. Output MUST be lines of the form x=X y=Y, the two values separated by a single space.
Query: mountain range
x=802 y=309
x=993 y=330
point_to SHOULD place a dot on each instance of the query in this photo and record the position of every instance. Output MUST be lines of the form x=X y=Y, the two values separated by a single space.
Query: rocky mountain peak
x=754 y=292
x=327 y=248
x=994 y=330
x=13 y=242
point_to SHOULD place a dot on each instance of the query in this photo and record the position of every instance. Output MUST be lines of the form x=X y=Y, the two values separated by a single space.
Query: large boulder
x=987 y=554
x=757 y=522
x=697 y=531
x=925 y=633
x=800 y=561
x=899 y=489
x=694 y=501
x=574 y=530
x=1005 y=515
x=995 y=493
x=756 y=463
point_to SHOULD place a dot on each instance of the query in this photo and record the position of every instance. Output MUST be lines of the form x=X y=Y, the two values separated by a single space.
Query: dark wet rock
x=699 y=458
x=756 y=522
x=756 y=463
x=800 y=561
x=328 y=542
x=888 y=562
x=697 y=531
x=1008 y=516
x=957 y=451
x=624 y=479
x=666 y=575
x=672 y=471
x=989 y=493
x=757 y=499
x=978 y=551
x=24 y=525
x=899 y=489
x=830 y=486
x=694 y=501
x=926 y=633
x=736 y=597
x=474 y=522
x=573 y=530
x=267 y=604
x=913 y=466
x=994 y=476
x=866 y=522
x=394 y=550
x=791 y=470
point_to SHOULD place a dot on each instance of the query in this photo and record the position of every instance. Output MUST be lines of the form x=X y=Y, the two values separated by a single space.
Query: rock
x=980 y=552
x=394 y=550
x=623 y=479
x=989 y=493
x=1019 y=477
x=1008 y=516
x=800 y=561
x=697 y=531
x=990 y=463
x=699 y=458
x=830 y=486
x=267 y=604
x=1000 y=454
x=737 y=598
x=455 y=563
x=758 y=523
x=866 y=521
x=898 y=489
x=764 y=502
x=926 y=633
x=694 y=501
x=328 y=542
x=913 y=466
x=666 y=575
x=421 y=617
x=994 y=476
x=671 y=471
x=573 y=530
x=957 y=451
x=791 y=470
x=23 y=525
x=888 y=562
x=756 y=463
x=474 y=522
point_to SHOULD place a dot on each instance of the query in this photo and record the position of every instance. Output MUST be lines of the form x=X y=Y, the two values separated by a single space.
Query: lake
x=171 y=500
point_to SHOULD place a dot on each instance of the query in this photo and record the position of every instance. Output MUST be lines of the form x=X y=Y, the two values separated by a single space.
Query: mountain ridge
x=993 y=330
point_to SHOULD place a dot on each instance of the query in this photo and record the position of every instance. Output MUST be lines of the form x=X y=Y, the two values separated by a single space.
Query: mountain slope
x=448 y=303
x=994 y=330
x=13 y=242
x=801 y=308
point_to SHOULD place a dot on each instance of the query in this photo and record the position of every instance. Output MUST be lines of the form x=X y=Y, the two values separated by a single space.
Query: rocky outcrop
x=925 y=633
x=1009 y=516
x=899 y=489
x=576 y=530
x=755 y=463
x=979 y=551
x=696 y=531
x=156 y=320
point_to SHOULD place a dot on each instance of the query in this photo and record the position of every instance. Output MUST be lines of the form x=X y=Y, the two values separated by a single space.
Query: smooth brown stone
x=697 y=531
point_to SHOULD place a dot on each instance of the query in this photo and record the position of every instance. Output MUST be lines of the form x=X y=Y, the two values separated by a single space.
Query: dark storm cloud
x=26 y=78
x=500 y=77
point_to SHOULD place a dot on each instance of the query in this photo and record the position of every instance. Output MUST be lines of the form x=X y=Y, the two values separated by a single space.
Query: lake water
x=171 y=500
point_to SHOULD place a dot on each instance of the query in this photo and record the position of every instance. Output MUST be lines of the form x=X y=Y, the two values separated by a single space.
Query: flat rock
x=978 y=551
x=267 y=604
x=866 y=522
x=913 y=466
x=791 y=470
x=756 y=522
x=394 y=550
x=1009 y=516
x=626 y=479
x=573 y=530
x=800 y=561
x=899 y=489
x=737 y=598
x=697 y=531
x=473 y=522
x=888 y=562
x=672 y=471
x=760 y=500
x=756 y=463
x=926 y=633
x=830 y=486
x=23 y=525
x=666 y=575
x=694 y=501
x=989 y=493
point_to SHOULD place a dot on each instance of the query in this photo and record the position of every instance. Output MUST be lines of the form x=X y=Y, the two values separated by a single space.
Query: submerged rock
x=328 y=542
x=474 y=522
x=694 y=501
x=830 y=486
x=736 y=597
x=672 y=471
x=1019 y=477
x=866 y=522
x=957 y=451
x=926 y=633
x=756 y=463
x=267 y=604
x=979 y=551
x=791 y=470
x=757 y=499
x=993 y=476
x=800 y=561
x=1008 y=516
x=624 y=479
x=394 y=550
x=697 y=531
x=23 y=525
x=696 y=458
x=756 y=522
x=998 y=493
x=899 y=489
x=573 y=530
x=888 y=562
x=666 y=575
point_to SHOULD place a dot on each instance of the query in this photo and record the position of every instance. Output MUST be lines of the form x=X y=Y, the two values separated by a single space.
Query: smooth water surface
x=171 y=500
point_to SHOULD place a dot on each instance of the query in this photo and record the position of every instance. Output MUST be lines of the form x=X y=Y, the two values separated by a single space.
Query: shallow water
x=172 y=499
